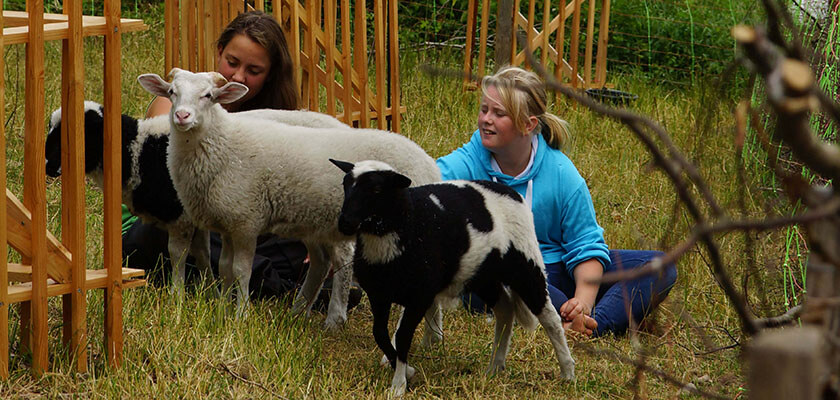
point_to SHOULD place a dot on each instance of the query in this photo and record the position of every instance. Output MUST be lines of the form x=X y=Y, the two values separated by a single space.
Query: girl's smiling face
x=247 y=62
x=495 y=123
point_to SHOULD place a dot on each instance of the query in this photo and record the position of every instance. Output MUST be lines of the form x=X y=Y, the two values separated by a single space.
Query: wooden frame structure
x=551 y=53
x=325 y=53
x=52 y=267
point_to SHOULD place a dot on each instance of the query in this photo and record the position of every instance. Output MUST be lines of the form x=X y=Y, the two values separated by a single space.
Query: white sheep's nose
x=182 y=116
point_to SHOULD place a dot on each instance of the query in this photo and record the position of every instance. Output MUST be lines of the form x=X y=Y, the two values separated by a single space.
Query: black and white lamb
x=245 y=176
x=147 y=188
x=423 y=245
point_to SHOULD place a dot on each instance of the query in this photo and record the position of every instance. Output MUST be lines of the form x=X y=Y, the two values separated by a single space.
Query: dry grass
x=194 y=348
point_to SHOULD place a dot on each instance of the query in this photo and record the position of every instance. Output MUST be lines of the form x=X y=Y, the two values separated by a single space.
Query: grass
x=194 y=347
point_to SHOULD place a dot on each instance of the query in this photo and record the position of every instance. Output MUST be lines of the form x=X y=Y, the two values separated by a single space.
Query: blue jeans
x=610 y=309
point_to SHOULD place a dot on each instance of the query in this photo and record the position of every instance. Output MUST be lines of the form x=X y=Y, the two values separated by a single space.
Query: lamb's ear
x=229 y=93
x=344 y=165
x=155 y=84
x=399 y=181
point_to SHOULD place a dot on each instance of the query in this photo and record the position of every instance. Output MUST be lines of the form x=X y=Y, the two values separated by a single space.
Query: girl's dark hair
x=279 y=90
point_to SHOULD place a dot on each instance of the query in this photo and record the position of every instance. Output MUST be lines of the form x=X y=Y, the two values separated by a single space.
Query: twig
x=661 y=374
x=224 y=368
x=780 y=320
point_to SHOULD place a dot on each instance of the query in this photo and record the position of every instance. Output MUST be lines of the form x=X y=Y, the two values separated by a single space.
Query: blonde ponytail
x=557 y=132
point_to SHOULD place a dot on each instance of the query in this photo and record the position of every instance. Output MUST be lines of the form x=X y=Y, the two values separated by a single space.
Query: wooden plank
x=603 y=39
x=329 y=28
x=590 y=34
x=58 y=31
x=546 y=32
x=19 y=231
x=560 y=43
x=573 y=58
x=504 y=32
x=529 y=33
x=94 y=279
x=294 y=43
x=170 y=15
x=468 y=49
x=346 y=62
x=513 y=34
x=4 y=278
x=112 y=257
x=34 y=187
x=379 y=49
x=789 y=363
x=393 y=26
x=312 y=52
x=482 y=38
x=201 y=29
x=360 y=62
x=19 y=272
x=73 y=233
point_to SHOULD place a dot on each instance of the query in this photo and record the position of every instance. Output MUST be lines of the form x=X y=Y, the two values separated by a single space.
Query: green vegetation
x=195 y=348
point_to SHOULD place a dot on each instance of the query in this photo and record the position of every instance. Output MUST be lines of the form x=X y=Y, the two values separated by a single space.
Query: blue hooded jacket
x=564 y=216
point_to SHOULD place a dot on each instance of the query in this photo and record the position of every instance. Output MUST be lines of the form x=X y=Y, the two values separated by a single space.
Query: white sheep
x=147 y=188
x=244 y=176
x=424 y=245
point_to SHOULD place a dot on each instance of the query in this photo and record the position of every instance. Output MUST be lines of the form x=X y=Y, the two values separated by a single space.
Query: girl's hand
x=572 y=308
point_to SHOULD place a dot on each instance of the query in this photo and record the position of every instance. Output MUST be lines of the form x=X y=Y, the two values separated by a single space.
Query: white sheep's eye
x=208 y=95
x=171 y=92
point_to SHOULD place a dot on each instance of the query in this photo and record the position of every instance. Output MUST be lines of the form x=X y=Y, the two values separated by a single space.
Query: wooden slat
x=529 y=46
x=4 y=279
x=112 y=213
x=34 y=187
x=468 y=49
x=573 y=58
x=560 y=42
x=360 y=62
x=73 y=183
x=346 y=62
x=19 y=231
x=94 y=279
x=482 y=51
x=395 y=67
x=19 y=273
x=603 y=38
x=546 y=32
x=313 y=53
x=513 y=37
x=201 y=29
x=590 y=34
x=379 y=49
x=329 y=28
x=59 y=31
x=170 y=23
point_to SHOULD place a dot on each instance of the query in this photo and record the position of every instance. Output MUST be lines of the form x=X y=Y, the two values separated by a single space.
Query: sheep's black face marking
x=501 y=189
x=369 y=202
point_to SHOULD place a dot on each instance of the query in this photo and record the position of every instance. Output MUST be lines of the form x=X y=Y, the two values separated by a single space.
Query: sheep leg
x=200 y=249
x=318 y=268
x=226 y=263
x=553 y=326
x=243 y=258
x=179 y=240
x=434 y=328
x=381 y=310
x=503 y=311
x=342 y=276
x=405 y=333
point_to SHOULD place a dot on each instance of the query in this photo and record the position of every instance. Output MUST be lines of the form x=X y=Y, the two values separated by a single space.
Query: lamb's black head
x=371 y=197
x=94 y=125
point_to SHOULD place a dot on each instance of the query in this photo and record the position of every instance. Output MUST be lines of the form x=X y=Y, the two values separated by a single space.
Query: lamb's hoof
x=495 y=368
x=568 y=372
x=397 y=391
x=334 y=322
x=384 y=361
x=409 y=372
x=431 y=339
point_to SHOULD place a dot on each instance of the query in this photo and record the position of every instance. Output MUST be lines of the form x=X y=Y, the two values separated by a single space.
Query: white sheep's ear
x=155 y=84
x=344 y=165
x=229 y=93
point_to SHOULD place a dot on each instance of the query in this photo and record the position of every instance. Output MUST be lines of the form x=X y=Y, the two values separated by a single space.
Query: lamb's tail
x=523 y=314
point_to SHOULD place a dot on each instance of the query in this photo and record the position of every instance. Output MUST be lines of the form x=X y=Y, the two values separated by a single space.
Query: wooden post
x=470 y=42
x=314 y=54
x=603 y=39
x=545 y=32
x=360 y=61
x=482 y=51
x=788 y=364
x=112 y=144
x=329 y=32
x=35 y=182
x=529 y=33
x=347 y=62
x=379 y=49
x=72 y=183
x=294 y=44
x=4 y=266
x=560 y=43
x=573 y=58
x=393 y=27
x=590 y=33
x=504 y=33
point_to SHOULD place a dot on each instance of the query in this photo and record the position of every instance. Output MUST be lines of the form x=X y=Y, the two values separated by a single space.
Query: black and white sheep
x=245 y=176
x=422 y=246
x=147 y=188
